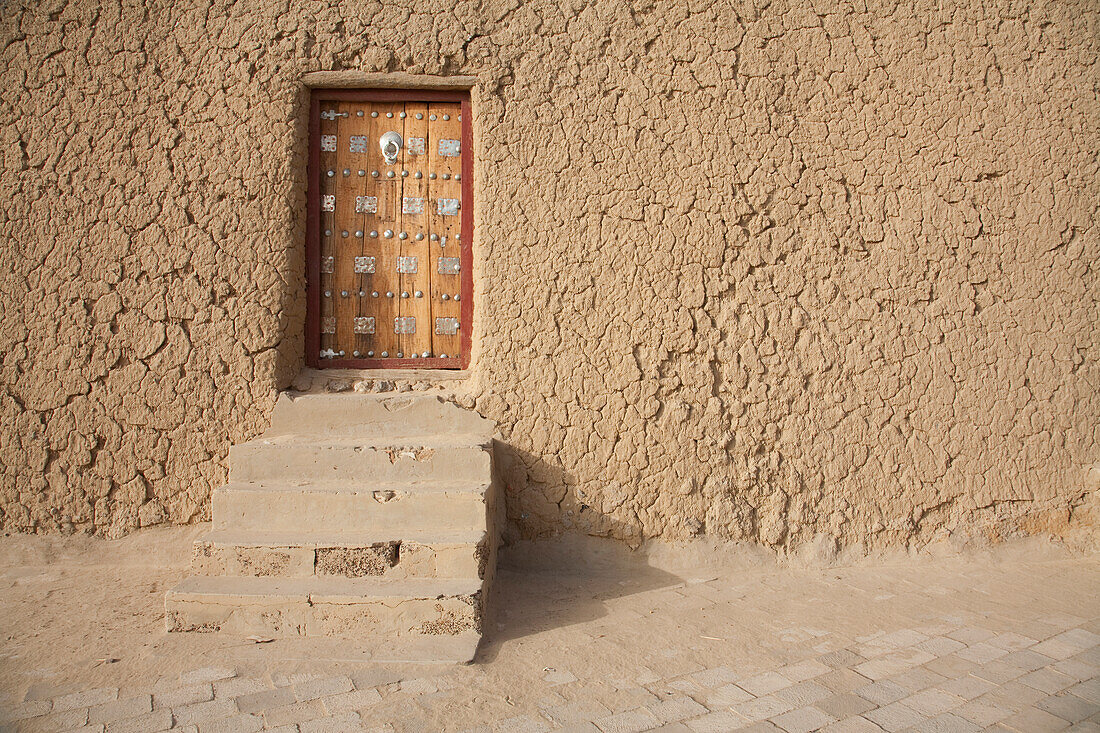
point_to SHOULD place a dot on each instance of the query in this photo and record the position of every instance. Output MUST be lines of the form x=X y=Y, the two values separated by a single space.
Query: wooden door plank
x=445 y=188
x=415 y=286
x=329 y=142
x=388 y=187
x=345 y=246
x=467 y=257
x=369 y=202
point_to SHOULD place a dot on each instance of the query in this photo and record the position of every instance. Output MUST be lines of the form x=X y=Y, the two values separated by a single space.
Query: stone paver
x=323 y=687
x=207 y=674
x=184 y=696
x=677 y=709
x=632 y=721
x=1033 y=720
x=852 y=725
x=157 y=720
x=895 y=716
x=243 y=723
x=923 y=645
x=24 y=710
x=352 y=700
x=844 y=706
x=1069 y=707
x=64 y=720
x=259 y=701
x=201 y=713
x=762 y=684
x=85 y=699
x=803 y=720
x=718 y=722
x=121 y=709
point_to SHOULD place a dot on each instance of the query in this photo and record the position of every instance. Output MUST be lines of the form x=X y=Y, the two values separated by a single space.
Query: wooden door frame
x=313 y=231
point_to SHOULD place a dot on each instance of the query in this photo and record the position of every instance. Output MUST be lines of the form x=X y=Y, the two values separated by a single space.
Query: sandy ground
x=70 y=605
x=79 y=613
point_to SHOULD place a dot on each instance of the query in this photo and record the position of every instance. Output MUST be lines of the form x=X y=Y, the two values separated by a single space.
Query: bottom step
x=325 y=606
x=457 y=649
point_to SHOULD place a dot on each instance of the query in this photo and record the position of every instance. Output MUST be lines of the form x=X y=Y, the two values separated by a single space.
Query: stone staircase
x=361 y=516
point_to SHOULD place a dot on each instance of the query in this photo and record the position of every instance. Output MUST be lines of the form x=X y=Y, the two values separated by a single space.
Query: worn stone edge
x=394 y=80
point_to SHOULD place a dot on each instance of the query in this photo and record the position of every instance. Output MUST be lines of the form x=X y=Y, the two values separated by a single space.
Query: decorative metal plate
x=364 y=264
x=447 y=207
x=358 y=143
x=446 y=326
x=449 y=148
x=328 y=143
x=328 y=324
x=404 y=324
x=366 y=204
x=328 y=264
x=331 y=114
x=328 y=202
x=406 y=265
x=364 y=324
x=415 y=145
x=411 y=205
x=448 y=265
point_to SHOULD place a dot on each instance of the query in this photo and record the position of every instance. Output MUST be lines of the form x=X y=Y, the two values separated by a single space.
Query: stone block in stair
x=325 y=606
x=289 y=554
x=326 y=506
x=363 y=462
x=383 y=416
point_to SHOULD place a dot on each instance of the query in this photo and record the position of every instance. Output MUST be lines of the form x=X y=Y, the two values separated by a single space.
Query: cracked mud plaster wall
x=768 y=271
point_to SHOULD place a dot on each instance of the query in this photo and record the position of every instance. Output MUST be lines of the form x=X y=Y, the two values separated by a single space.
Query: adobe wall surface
x=768 y=272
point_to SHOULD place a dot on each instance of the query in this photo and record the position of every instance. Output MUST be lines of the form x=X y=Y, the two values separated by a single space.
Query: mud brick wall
x=769 y=271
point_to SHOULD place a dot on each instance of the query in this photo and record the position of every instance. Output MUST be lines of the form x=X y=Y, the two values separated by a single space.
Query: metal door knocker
x=391 y=146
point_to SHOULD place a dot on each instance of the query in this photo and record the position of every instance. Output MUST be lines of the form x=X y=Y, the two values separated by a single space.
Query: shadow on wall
x=538 y=494
x=548 y=584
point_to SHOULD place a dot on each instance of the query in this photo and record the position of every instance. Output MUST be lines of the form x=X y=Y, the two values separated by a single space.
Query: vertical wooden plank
x=416 y=286
x=368 y=159
x=345 y=246
x=467 y=258
x=445 y=189
x=329 y=144
x=388 y=187
x=313 y=235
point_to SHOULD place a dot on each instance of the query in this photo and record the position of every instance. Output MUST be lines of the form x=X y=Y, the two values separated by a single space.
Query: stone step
x=440 y=554
x=420 y=650
x=390 y=415
x=380 y=509
x=360 y=517
x=325 y=606
x=361 y=459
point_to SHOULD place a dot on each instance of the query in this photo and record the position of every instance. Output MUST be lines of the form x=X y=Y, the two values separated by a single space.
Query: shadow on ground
x=550 y=584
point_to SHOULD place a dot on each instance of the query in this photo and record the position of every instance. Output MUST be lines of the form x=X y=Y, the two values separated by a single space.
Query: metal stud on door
x=389 y=229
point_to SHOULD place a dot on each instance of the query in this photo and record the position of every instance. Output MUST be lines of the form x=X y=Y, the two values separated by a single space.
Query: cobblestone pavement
x=948 y=644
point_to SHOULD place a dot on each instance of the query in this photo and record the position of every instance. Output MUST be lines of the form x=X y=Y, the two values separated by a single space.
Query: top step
x=390 y=415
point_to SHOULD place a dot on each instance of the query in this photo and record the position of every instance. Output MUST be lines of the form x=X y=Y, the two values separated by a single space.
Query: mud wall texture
x=782 y=272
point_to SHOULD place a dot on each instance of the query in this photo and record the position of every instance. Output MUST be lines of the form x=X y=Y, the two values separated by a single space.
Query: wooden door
x=390 y=228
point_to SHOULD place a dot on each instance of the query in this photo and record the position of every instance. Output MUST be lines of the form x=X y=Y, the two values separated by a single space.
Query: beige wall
x=761 y=272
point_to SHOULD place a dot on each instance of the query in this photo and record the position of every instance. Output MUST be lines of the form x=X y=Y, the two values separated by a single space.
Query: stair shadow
x=549 y=584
